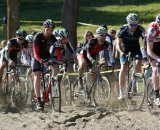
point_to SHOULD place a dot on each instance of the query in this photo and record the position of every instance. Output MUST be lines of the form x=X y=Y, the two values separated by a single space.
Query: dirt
x=114 y=117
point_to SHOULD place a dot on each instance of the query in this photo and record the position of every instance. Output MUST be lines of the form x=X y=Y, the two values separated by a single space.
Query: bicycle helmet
x=104 y=25
x=132 y=18
x=63 y=33
x=29 y=38
x=21 y=33
x=101 y=30
x=48 y=23
x=55 y=33
x=158 y=18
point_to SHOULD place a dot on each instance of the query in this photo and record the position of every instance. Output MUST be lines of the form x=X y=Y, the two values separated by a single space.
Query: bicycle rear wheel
x=136 y=92
x=66 y=90
x=101 y=91
x=19 y=93
x=152 y=108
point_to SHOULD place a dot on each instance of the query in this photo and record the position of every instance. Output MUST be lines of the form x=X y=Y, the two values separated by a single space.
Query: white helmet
x=132 y=18
x=158 y=18
x=101 y=30
x=26 y=58
x=29 y=38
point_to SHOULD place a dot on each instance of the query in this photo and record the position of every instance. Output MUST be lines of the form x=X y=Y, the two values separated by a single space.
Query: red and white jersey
x=153 y=32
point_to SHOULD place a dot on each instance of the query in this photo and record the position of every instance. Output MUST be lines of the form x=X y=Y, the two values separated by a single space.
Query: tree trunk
x=12 y=17
x=70 y=12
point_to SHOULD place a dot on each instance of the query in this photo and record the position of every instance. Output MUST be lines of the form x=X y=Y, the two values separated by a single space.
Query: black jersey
x=41 y=46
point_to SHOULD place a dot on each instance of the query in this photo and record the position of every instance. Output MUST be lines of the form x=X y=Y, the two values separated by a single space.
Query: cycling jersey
x=41 y=47
x=12 y=49
x=68 y=46
x=26 y=56
x=80 y=47
x=131 y=40
x=153 y=32
x=93 y=48
x=107 y=53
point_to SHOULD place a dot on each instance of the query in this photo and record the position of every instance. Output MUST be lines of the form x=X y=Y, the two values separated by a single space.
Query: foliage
x=112 y=12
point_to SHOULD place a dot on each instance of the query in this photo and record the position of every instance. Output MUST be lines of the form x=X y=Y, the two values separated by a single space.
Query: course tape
x=103 y=72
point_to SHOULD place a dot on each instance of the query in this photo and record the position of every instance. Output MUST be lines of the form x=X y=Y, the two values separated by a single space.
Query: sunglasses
x=103 y=35
x=133 y=25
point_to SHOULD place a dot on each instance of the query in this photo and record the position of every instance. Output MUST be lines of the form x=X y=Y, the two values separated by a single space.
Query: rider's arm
x=36 y=48
x=72 y=51
x=150 y=40
x=120 y=41
x=89 y=47
x=150 y=51
x=119 y=46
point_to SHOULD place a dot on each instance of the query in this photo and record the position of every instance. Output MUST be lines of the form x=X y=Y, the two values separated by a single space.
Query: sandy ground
x=81 y=118
x=114 y=117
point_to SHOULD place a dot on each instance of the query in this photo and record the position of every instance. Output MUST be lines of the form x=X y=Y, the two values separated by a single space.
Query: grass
x=91 y=11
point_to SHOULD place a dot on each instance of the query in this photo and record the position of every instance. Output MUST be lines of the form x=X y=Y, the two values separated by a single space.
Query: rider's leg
x=3 y=66
x=37 y=84
x=122 y=80
x=155 y=81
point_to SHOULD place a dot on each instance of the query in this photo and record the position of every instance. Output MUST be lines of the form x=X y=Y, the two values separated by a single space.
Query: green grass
x=95 y=12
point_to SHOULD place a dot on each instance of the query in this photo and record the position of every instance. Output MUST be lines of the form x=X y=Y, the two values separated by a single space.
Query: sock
x=80 y=78
x=39 y=99
x=157 y=93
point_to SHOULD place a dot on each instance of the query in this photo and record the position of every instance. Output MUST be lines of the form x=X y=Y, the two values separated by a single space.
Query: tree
x=70 y=11
x=12 y=17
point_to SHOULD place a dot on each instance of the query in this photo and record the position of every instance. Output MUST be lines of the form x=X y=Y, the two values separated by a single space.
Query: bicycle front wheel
x=66 y=90
x=101 y=91
x=136 y=92
x=19 y=93
x=152 y=108
x=55 y=95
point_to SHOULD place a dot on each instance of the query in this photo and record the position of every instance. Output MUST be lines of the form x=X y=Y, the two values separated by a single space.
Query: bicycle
x=96 y=93
x=150 y=98
x=14 y=88
x=51 y=91
x=65 y=85
x=135 y=90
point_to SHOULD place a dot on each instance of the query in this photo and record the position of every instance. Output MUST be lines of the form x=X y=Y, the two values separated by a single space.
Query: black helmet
x=21 y=33
x=48 y=23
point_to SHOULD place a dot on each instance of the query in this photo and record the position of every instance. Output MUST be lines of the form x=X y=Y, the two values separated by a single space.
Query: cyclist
x=13 y=47
x=63 y=43
x=128 y=41
x=41 y=46
x=153 y=50
x=87 y=36
x=90 y=51
x=107 y=54
x=27 y=54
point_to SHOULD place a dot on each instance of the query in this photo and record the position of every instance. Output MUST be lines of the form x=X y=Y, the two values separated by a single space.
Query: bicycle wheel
x=19 y=93
x=66 y=90
x=79 y=97
x=136 y=92
x=101 y=91
x=30 y=84
x=5 y=92
x=55 y=95
x=152 y=108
